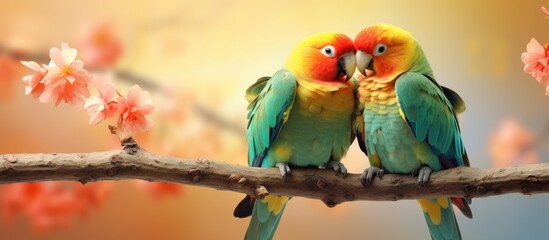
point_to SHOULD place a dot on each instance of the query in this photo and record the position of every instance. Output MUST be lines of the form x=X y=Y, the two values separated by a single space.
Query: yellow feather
x=383 y=95
x=432 y=209
x=370 y=85
x=282 y=152
x=443 y=202
x=402 y=113
x=275 y=203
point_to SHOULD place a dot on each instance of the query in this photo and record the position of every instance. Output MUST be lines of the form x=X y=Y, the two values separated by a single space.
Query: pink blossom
x=33 y=83
x=66 y=79
x=101 y=47
x=133 y=110
x=535 y=61
x=104 y=105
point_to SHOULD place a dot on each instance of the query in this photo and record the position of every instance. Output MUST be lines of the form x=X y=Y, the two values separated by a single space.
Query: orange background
x=212 y=50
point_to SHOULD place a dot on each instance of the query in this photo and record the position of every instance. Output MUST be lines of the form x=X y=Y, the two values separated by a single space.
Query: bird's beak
x=364 y=62
x=346 y=65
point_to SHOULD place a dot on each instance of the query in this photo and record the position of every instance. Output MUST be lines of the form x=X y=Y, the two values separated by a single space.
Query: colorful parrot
x=409 y=123
x=302 y=116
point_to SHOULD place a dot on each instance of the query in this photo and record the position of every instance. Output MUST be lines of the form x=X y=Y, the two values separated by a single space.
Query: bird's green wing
x=431 y=117
x=267 y=114
x=271 y=100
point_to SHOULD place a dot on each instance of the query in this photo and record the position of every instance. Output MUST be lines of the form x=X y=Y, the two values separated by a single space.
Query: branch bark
x=136 y=163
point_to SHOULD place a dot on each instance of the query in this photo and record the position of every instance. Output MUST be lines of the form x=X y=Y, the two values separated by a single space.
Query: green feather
x=448 y=228
x=266 y=116
x=255 y=89
x=263 y=222
x=270 y=99
x=430 y=114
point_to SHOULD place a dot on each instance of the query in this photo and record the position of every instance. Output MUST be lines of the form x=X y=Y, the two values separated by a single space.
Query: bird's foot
x=338 y=167
x=423 y=175
x=369 y=173
x=284 y=169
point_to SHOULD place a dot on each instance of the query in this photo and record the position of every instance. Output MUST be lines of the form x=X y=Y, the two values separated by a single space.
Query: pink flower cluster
x=536 y=61
x=65 y=79
x=131 y=110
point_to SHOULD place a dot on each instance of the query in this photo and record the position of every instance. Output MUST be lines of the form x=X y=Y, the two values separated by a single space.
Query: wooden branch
x=135 y=163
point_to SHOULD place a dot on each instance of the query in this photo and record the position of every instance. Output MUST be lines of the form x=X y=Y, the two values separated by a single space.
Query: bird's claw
x=423 y=175
x=338 y=167
x=284 y=169
x=369 y=173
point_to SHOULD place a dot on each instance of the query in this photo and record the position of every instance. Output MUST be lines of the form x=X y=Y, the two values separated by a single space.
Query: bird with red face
x=300 y=117
x=408 y=123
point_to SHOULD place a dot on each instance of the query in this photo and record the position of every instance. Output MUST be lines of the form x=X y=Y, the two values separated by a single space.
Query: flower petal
x=96 y=118
x=133 y=93
x=56 y=57
x=69 y=55
x=77 y=64
x=534 y=47
x=146 y=109
x=47 y=95
x=32 y=65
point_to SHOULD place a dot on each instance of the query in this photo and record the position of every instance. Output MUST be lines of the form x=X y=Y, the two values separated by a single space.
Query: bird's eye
x=328 y=51
x=380 y=49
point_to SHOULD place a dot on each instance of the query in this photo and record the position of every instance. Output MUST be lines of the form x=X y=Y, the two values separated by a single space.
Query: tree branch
x=135 y=163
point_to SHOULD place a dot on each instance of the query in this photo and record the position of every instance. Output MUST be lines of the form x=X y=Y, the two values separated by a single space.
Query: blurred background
x=196 y=58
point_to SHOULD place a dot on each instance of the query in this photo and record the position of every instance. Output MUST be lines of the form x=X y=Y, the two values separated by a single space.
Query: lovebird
x=408 y=123
x=301 y=116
